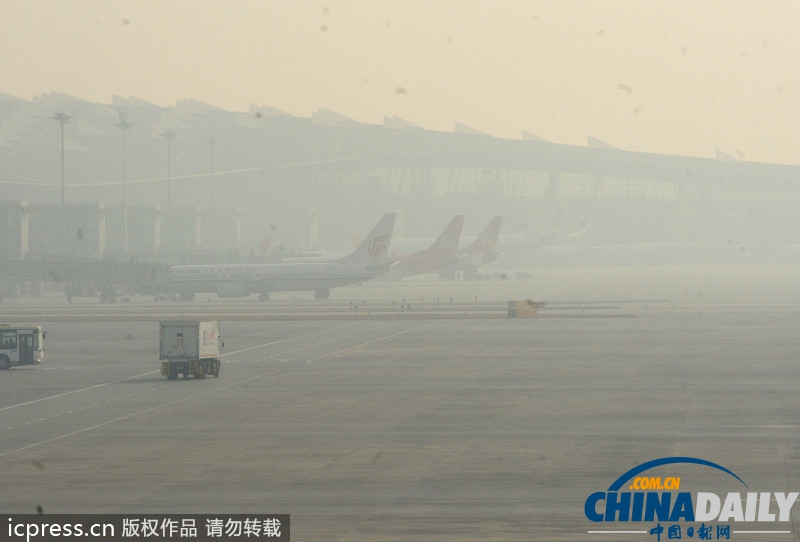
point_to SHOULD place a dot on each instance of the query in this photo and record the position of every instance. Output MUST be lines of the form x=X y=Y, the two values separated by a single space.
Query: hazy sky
x=673 y=77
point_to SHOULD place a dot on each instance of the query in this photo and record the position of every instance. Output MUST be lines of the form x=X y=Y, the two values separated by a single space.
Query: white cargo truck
x=190 y=348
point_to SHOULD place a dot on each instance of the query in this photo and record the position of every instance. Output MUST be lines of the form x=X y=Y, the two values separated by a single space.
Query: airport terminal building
x=191 y=182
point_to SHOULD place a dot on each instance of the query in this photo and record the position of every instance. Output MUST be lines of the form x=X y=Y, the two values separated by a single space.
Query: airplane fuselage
x=238 y=280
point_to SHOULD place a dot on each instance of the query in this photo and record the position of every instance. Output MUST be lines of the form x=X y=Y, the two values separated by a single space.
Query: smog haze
x=670 y=77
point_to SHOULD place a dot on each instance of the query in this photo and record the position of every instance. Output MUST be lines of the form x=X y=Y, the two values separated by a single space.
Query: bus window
x=8 y=339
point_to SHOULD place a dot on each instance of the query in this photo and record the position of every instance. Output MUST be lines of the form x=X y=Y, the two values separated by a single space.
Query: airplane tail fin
x=264 y=246
x=375 y=246
x=486 y=242
x=447 y=242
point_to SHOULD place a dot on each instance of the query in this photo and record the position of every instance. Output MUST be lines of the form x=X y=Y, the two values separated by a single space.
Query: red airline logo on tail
x=378 y=246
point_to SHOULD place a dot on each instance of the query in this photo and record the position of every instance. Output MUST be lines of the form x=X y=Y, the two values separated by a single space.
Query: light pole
x=211 y=142
x=169 y=135
x=125 y=125
x=62 y=118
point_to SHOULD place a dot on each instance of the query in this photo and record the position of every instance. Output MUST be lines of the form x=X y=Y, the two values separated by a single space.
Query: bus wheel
x=5 y=363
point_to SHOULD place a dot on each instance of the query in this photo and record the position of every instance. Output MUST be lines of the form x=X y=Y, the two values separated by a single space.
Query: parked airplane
x=410 y=245
x=481 y=251
x=441 y=254
x=241 y=280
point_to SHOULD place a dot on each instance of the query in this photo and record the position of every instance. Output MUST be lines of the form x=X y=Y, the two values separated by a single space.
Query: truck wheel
x=217 y=366
x=172 y=374
x=5 y=363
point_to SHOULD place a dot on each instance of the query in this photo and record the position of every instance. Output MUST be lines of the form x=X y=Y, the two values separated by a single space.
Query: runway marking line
x=356 y=347
x=74 y=391
x=194 y=396
x=159 y=370
x=131 y=415
x=283 y=340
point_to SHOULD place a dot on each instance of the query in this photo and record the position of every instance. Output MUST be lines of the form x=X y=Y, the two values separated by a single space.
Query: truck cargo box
x=192 y=340
x=190 y=348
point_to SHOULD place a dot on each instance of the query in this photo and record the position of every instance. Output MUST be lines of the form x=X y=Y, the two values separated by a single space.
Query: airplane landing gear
x=322 y=294
x=106 y=294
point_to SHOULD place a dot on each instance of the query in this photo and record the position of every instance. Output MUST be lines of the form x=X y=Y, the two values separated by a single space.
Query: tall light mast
x=62 y=118
x=125 y=125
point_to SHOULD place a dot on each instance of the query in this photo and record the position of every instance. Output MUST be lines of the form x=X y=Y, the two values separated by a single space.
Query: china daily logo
x=637 y=498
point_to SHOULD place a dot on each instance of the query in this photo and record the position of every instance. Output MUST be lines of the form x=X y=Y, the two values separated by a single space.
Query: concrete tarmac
x=398 y=428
